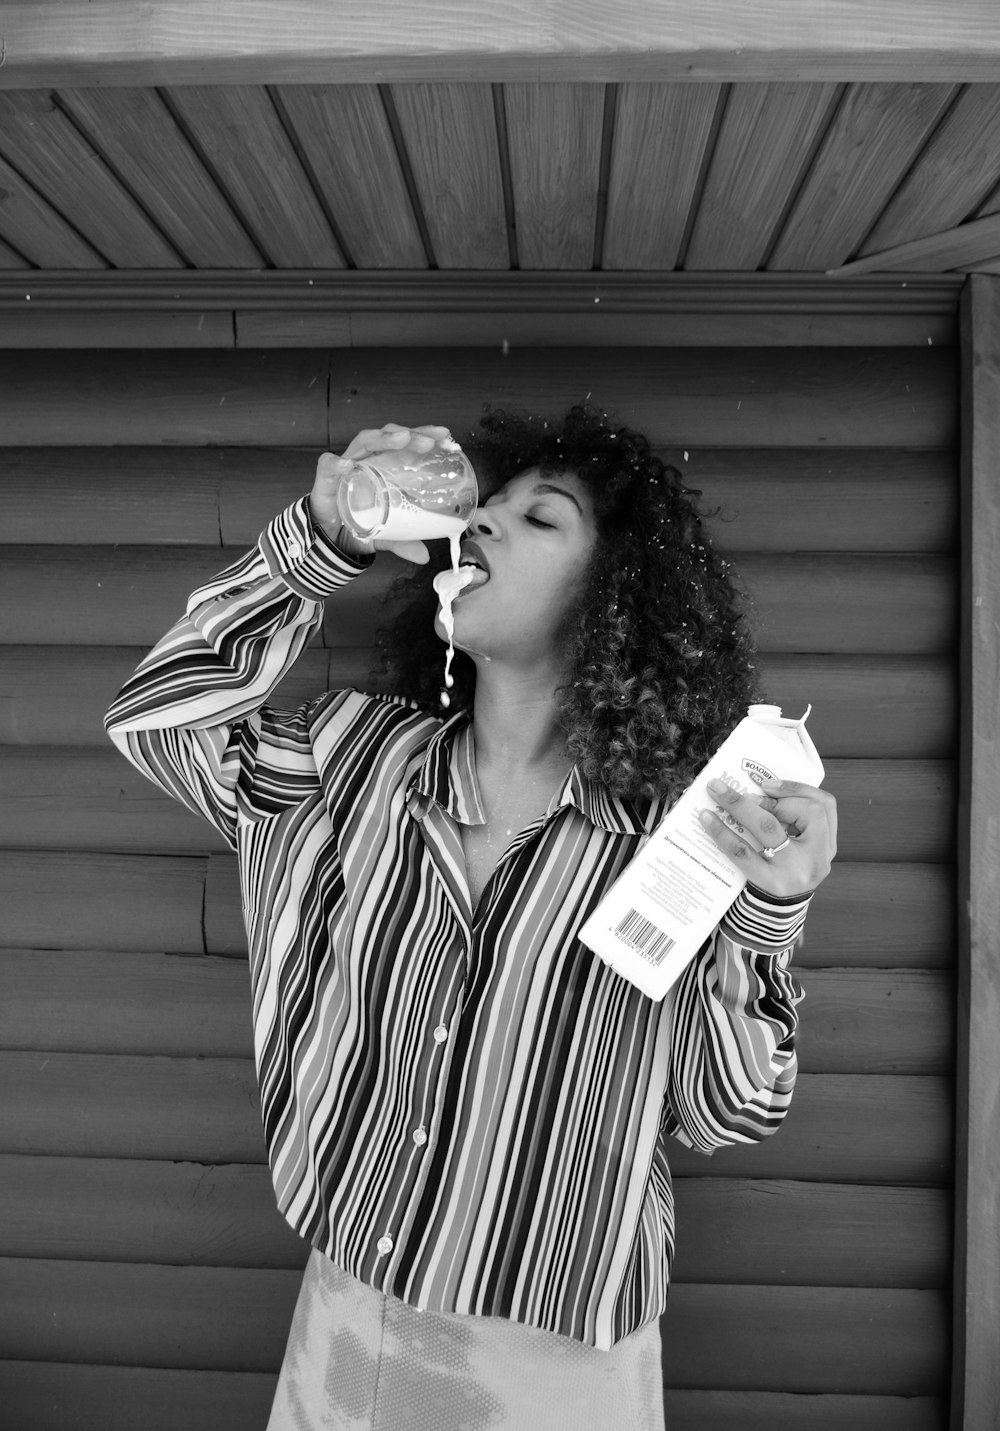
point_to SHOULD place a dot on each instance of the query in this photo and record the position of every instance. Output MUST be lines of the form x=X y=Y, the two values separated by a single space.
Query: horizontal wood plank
x=155 y=398
x=730 y=1231
x=185 y=45
x=89 y=798
x=888 y=707
x=805 y=1339
x=119 y=1398
x=841 y=1127
x=860 y=1340
x=744 y=398
x=69 y=899
x=117 y=330
x=786 y=1411
x=877 y=916
x=765 y=500
x=852 y=1021
x=797 y=603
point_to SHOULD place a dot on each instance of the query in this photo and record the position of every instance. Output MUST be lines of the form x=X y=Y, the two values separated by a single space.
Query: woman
x=466 y=1112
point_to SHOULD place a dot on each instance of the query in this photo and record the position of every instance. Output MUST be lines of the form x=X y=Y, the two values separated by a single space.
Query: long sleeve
x=733 y=1061
x=189 y=718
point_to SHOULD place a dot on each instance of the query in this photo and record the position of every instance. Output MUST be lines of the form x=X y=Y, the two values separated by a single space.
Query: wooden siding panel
x=132 y=595
x=841 y=1127
x=660 y=145
x=152 y=329
x=898 y=398
x=71 y=899
x=554 y=144
x=135 y=131
x=118 y=1398
x=115 y=399
x=879 y=707
x=449 y=136
x=241 y=137
x=765 y=499
x=767 y=136
x=345 y=135
x=58 y=695
x=48 y=149
x=852 y=1021
x=874 y=137
x=37 y=230
x=89 y=799
x=795 y=1339
x=730 y=1231
x=958 y=168
x=870 y=915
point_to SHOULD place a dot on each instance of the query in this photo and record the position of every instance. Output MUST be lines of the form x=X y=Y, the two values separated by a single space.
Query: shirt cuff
x=766 y=922
x=304 y=557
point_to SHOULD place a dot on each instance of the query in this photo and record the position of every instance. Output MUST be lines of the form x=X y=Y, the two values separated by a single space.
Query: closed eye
x=537 y=522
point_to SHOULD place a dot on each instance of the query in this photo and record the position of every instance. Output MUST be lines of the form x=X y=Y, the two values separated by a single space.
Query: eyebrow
x=562 y=492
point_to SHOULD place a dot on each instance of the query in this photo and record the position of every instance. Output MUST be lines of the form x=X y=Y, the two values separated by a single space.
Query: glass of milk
x=404 y=495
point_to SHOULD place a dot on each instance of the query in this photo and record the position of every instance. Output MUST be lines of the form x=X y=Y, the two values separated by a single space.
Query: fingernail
x=706 y=817
x=719 y=785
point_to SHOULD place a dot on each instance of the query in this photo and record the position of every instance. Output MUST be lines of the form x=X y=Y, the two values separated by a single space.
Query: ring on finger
x=769 y=852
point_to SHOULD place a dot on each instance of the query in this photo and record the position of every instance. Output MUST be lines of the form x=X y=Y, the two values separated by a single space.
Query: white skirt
x=360 y=1361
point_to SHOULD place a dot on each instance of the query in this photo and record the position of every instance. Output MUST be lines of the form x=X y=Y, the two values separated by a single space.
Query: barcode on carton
x=639 y=934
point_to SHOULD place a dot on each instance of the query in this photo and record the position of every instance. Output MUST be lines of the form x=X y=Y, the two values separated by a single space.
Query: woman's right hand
x=332 y=470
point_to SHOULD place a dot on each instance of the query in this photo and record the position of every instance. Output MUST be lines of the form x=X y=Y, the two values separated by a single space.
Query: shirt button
x=420 y=1136
x=384 y=1245
x=294 y=549
x=440 y=1034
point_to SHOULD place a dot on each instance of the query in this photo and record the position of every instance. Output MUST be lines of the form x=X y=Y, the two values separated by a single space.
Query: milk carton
x=659 y=912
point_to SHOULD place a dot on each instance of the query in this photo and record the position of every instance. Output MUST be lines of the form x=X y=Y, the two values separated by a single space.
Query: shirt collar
x=446 y=776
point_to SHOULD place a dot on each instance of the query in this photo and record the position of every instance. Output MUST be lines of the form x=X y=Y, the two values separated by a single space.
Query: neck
x=515 y=721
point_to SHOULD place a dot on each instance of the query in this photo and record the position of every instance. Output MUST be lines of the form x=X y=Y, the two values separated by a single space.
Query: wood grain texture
x=131 y=595
x=10 y=259
x=58 y=695
x=970 y=245
x=37 y=230
x=757 y=500
x=767 y=137
x=660 y=142
x=795 y=1339
x=875 y=707
x=806 y=1339
x=132 y=330
x=554 y=143
x=873 y=139
x=976 y=1371
x=113 y=399
x=852 y=1021
x=743 y=398
x=135 y=131
x=953 y=174
x=852 y=1128
x=120 y=1397
x=241 y=137
x=449 y=137
x=92 y=799
x=783 y=1411
x=49 y=151
x=871 y=915
x=882 y=916
x=730 y=1231
x=181 y=43
x=344 y=133
x=67 y=899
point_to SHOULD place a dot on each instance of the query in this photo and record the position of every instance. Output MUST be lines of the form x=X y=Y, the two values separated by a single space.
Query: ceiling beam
x=967 y=246
x=124 y=42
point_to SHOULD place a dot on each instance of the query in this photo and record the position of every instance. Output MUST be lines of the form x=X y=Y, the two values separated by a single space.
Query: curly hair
x=659 y=649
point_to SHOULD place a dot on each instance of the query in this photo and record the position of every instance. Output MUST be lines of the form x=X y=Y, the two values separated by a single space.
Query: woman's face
x=532 y=541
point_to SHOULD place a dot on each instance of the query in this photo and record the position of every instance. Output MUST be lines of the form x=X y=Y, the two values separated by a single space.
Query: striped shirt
x=464 y=1108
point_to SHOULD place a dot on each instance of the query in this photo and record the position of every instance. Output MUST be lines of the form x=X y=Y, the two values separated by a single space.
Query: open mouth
x=473 y=561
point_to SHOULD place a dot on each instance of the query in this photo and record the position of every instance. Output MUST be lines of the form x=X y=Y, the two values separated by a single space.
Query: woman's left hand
x=798 y=822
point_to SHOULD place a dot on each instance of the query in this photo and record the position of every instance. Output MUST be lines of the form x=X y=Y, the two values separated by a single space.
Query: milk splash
x=448 y=584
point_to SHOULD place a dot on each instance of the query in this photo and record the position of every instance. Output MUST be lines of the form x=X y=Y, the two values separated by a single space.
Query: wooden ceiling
x=700 y=177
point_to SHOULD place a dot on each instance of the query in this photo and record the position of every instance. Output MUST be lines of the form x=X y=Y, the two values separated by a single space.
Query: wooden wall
x=147 y=1279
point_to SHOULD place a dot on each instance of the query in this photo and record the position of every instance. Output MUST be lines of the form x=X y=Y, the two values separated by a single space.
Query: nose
x=484 y=523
